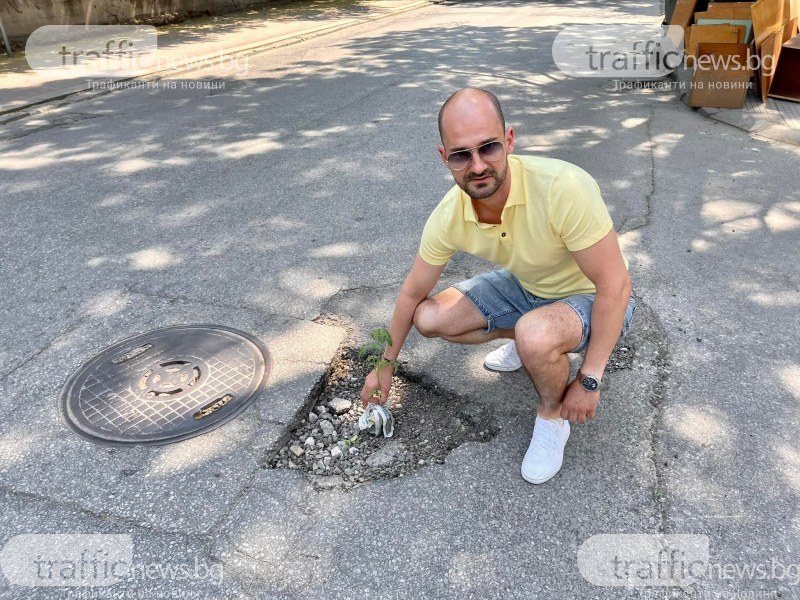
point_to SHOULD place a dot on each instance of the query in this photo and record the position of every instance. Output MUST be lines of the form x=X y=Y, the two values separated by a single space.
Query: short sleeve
x=578 y=213
x=434 y=247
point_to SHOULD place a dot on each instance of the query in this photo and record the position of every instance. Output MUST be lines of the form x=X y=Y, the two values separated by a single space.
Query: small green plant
x=352 y=441
x=374 y=350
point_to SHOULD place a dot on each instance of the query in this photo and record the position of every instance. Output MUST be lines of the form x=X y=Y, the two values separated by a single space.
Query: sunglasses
x=489 y=152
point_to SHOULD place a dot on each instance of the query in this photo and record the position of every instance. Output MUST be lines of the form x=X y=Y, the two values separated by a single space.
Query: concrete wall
x=21 y=17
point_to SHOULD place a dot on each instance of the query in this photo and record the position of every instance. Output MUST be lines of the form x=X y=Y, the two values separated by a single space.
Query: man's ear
x=442 y=154
x=510 y=139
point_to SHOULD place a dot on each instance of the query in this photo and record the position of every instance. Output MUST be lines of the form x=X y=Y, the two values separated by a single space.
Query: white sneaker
x=505 y=358
x=546 y=451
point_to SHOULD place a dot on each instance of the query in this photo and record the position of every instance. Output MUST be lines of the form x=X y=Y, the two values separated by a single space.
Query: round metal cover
x=165 y=385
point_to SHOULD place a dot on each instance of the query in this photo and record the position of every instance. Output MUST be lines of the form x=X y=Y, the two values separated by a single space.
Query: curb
x=22 y=111
x=762 y=129
x=747 y=122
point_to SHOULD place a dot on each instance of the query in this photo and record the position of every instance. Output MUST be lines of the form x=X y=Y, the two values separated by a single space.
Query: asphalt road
x=299 y=190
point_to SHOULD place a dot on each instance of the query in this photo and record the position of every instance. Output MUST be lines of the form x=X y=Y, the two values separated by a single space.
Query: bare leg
x=544 y=338
x=450 y=315
x=478 y=336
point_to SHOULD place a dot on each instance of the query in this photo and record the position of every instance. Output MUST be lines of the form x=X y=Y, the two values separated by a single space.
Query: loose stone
x=339 y=406
x=327 y=428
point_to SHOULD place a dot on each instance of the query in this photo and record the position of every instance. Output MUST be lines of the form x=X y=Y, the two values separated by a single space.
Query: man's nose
x=478 y=164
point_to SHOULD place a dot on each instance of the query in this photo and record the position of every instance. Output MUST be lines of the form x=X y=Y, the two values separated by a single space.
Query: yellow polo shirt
x=553 y=208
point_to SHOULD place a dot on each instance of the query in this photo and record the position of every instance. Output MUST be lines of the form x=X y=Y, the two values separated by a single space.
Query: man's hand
x=578 y=404
x=373 y=383
x=419 y=283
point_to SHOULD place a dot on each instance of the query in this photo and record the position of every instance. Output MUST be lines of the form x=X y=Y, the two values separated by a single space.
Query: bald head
x=466 y=104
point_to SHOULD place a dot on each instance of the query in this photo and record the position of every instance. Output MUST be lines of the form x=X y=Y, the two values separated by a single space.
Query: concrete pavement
x=298 y=191
x=233 y=38
x=192 y=45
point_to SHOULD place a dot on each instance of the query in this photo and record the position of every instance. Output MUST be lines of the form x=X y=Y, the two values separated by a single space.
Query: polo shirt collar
x=515 y=195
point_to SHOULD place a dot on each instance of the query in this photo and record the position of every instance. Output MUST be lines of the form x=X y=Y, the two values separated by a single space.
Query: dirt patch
x=428 y=424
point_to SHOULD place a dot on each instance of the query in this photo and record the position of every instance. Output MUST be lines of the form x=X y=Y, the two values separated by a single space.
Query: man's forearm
x=402 y=320
x=608 y=315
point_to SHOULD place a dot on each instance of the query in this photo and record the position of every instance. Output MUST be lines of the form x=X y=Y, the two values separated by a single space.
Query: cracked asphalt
x=289 y=205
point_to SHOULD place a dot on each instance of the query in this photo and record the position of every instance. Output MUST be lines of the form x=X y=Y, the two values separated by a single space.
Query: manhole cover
x=165 y=385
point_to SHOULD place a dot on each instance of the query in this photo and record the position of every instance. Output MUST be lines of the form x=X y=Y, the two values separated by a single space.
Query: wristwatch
x=588 y=382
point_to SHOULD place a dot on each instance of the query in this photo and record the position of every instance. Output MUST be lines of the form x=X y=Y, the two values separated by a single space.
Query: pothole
x=622 y=357
x=428 y=425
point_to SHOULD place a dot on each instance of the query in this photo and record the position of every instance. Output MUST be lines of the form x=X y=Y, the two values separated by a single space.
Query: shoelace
x=545 y=437
x=509 y=349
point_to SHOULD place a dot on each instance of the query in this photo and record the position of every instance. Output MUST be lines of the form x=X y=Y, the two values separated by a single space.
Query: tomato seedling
x=375 y=359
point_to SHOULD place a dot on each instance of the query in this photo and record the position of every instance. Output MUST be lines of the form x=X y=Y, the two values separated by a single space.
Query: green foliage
x=374 y=350
x=352 y=441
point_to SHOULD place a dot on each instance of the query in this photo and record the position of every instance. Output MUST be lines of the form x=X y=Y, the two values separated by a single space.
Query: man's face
x=463 y=130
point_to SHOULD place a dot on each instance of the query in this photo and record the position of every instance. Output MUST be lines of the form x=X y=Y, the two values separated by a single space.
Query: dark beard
x=487 y=189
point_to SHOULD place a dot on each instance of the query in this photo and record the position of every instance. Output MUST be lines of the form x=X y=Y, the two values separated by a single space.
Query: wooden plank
x=725 y=84
x=794 y=43
x=748 y=25
x=725 y=34
x=790 y=30
x=786 y=83
x=718 y=11
x=768 y=17
x=770 y=54
x=743 y=10
x=682 y=15
x=744 y=38
x=730 y=10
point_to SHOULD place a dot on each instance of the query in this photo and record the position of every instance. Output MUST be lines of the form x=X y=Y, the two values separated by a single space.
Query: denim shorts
x=501 y=299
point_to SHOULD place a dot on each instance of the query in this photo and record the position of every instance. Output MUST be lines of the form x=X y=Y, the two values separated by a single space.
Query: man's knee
x=426 y=319
x=548 y=331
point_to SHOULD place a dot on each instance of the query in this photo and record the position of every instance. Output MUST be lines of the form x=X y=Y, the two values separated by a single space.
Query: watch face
x=589 y=383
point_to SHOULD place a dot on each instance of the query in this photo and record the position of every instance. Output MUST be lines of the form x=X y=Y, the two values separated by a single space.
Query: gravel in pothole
x=621 y=358
x=428 y=424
